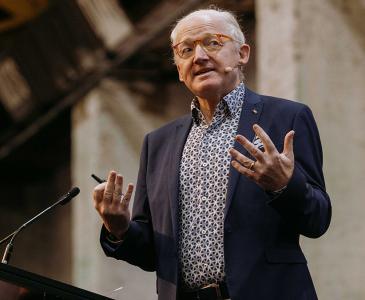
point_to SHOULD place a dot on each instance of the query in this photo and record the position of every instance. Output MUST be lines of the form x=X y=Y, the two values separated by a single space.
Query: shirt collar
x=232 y=103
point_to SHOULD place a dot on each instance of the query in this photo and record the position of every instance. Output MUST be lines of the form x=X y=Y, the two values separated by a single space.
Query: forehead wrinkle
x=187 y=29
x=191 y=39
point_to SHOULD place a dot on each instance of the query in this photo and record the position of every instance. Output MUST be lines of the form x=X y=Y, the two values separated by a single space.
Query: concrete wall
x=309 y=50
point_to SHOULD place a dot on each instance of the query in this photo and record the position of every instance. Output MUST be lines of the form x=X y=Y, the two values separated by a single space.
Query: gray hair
x=233 y=27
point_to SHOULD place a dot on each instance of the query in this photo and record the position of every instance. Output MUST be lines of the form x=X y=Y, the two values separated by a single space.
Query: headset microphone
x=230 y=69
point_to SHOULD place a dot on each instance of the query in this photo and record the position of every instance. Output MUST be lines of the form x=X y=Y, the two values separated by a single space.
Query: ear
x=244 y=54
x=179 y=71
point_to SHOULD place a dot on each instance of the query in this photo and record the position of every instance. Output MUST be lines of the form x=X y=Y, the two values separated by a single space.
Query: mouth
x=203 y=71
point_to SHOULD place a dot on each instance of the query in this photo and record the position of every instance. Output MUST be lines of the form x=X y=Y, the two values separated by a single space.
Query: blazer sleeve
x=137 y=247
x=305 y=204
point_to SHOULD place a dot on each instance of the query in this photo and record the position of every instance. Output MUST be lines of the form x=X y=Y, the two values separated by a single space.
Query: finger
x=118 y=188
x=247 y=172
x=242 y=159
x=254 y=151
x=268 y=144
x=288 y=144
x=109 y=189
x=98 y=193
x=128 y=195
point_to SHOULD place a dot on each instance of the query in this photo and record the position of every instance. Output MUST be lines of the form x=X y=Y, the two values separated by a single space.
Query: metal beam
x=145 y=32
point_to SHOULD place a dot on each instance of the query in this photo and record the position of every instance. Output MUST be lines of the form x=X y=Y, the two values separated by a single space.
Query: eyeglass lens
x=209 y=43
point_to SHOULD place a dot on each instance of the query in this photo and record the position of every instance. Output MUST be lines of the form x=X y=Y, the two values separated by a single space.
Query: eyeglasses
x=210 y=43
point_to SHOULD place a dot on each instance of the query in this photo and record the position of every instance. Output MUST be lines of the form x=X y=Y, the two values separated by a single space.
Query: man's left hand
x=270 y=169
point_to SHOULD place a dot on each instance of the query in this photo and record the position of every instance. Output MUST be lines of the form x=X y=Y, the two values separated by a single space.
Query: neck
x=208 y=102
x=207 y=107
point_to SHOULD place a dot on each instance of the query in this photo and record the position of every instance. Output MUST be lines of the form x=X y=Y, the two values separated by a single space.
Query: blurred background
x=82 y=81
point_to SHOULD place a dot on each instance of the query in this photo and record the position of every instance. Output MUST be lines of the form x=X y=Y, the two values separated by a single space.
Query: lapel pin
x=255 y=111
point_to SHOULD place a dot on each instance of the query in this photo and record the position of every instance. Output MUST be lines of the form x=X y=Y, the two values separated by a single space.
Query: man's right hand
x=112 y=205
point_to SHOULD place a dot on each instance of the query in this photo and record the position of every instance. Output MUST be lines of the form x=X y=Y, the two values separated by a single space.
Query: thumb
x=288 y=145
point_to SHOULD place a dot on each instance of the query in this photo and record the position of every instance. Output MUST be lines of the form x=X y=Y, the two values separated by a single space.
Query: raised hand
x=271 y=170
x=112 y=205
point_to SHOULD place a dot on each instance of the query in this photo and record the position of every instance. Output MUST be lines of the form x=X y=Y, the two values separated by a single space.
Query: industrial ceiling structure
x=52 y=53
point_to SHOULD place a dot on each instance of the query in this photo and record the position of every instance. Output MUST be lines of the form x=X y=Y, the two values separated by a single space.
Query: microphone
x=62 y=201
x=230 y=69
x=66 y=198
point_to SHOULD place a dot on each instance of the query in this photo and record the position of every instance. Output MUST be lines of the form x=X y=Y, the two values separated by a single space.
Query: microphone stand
x=10 y=246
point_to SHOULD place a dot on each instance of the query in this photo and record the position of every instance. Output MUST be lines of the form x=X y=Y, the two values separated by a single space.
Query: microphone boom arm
x=9 y=247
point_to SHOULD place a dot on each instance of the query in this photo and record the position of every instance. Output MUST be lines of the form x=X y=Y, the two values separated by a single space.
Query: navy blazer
x=263 y=258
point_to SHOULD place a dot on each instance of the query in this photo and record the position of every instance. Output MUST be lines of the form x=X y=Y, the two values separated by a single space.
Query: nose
x=200 y=54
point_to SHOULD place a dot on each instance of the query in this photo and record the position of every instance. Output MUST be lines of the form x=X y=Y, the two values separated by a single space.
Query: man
x=223 y=193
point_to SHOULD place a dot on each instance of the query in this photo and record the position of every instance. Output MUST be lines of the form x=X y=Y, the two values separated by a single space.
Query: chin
x=206 y=87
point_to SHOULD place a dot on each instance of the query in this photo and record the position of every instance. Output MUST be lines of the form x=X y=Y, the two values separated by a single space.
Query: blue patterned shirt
x=204 y=172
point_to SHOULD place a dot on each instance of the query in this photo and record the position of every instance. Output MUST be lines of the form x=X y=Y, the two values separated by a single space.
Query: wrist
x=116 y=236
x=113 y=239
x=277 y=192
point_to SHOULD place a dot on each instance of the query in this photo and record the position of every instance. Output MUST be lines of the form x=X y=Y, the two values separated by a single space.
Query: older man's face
x=205 y=72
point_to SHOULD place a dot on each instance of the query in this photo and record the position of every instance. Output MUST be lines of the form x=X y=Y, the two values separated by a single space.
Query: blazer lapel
x=177 y=146
x=250 y=114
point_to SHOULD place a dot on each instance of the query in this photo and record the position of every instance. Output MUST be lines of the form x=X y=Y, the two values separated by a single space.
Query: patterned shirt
x=204 y=172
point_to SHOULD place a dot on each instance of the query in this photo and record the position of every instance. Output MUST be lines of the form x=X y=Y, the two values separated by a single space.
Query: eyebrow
x=192 y=40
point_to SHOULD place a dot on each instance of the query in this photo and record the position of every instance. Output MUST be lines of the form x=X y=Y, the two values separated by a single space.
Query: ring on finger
x=252 y=164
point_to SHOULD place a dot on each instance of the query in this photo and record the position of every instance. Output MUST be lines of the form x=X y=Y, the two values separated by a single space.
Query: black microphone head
x=74 y=191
